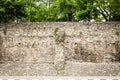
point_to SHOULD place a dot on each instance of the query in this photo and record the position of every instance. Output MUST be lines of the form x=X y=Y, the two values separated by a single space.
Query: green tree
x=115 y=10
x=109 y=9
x=75 y=10
x=11 y=10
x=86 y=10
x=37 y=10
x=59 y=10
x=64 y=9
x=30 y=9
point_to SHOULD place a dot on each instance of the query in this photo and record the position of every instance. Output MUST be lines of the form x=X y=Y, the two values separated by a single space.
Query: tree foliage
x=109 y=9
x=11 y=10
x=59 y=10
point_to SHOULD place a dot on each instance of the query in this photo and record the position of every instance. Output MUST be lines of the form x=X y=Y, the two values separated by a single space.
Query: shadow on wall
x=118 y=50
x=84 y=55
x=114 y=50
x=1 y=49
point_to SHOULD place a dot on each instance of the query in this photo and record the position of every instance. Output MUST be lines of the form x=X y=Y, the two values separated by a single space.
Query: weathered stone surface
x=28 y=49
x=28 y=43
x=36 y=41
x=92 y=69
x=27 y=69
x=71 y=69
x=59 y=61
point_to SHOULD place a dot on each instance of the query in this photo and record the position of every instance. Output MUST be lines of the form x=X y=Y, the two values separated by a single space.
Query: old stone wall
x=57 y=42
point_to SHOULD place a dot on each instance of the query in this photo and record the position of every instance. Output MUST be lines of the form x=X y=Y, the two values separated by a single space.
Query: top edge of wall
x=50 y=24
x=74 y=22
x=60 y=22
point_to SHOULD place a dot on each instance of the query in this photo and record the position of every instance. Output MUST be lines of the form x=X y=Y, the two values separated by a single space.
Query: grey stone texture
x=79 y=49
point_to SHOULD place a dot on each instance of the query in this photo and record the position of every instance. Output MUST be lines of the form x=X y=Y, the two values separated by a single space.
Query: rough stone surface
x=59 y=60
x=26 y=42
x=71 y=69
x=92 y=69
x=94 y=45
x=27 y=69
